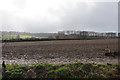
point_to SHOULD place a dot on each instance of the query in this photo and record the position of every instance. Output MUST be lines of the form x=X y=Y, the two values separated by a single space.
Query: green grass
x=24 y=37
x=72 y=70
x=9 y=37
x=28 y=37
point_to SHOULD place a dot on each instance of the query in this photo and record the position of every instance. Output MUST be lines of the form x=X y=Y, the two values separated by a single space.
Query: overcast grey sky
x=55 y=15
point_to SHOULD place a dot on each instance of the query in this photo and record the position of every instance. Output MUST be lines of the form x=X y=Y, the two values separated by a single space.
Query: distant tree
x=57 y=37
x=18 y=36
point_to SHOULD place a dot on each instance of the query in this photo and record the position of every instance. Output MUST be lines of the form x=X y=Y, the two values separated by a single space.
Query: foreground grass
x=71 y=70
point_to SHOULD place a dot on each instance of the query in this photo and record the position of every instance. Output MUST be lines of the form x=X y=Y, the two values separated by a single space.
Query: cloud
x=103 y=17
x=11 y=22
x=55 y=15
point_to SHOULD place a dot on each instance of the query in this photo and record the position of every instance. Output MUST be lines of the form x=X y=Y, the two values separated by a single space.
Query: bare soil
x=62 y=51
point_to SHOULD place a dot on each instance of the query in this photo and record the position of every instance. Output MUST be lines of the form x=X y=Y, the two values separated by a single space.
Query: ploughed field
x=61 y=51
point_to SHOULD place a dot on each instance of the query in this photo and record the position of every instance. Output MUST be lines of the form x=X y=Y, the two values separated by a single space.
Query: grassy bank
x=71 y=70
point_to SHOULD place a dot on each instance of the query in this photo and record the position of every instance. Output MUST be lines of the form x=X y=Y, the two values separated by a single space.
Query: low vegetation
x=24 y=36
x=15 y=37
x=71 y=70
x=19 y=38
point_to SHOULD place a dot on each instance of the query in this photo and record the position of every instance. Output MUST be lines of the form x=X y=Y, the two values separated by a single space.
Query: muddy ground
x=63 y=51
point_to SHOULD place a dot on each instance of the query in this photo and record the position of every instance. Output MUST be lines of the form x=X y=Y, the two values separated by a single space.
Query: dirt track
x=60 y=51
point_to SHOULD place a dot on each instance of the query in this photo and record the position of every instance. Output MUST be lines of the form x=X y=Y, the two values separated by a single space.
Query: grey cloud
x=102 y=17
x=19 y=3
x=11 y=23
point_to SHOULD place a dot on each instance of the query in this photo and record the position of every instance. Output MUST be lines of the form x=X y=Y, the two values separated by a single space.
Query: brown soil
x=63 y=51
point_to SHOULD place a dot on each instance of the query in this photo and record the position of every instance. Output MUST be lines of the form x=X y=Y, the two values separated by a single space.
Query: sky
x=55 y=15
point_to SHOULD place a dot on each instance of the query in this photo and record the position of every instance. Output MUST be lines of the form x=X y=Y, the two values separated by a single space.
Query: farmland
x=9 y=37
x=61 y=51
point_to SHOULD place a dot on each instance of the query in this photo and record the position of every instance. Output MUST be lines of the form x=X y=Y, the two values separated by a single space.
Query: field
x=9 y=37
x=61 y=51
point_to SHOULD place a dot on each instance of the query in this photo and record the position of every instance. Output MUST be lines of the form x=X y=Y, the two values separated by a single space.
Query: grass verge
x=74 y=70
